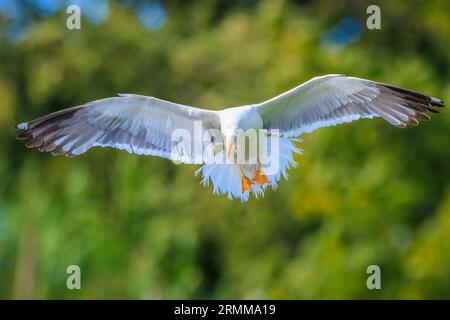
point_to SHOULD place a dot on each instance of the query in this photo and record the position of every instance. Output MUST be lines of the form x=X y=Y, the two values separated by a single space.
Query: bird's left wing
x=135 y=123
x=334 y=99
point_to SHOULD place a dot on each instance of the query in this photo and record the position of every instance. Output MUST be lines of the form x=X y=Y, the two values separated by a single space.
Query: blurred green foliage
x=142 y=227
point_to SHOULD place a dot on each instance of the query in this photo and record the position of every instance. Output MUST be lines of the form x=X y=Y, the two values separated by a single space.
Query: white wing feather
x=333 y=99
x=135 y=123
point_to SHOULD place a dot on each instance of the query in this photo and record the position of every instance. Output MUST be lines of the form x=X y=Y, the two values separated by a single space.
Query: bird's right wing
x=333 y=99
x=135 y=123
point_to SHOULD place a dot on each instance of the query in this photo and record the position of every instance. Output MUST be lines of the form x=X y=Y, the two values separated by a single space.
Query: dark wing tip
x=41 y=133
x=24 y=135
x=435 y=102
x=420 y=103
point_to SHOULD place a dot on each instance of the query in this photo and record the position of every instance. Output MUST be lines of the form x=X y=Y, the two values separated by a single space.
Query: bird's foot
x=260 y=178
x=245 y=183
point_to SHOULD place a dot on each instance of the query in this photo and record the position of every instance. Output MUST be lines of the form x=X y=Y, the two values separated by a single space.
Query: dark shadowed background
x=141 y=227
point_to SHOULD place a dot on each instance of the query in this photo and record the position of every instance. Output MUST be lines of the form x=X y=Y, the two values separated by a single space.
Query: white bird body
x=218 y=139
x=243 y=117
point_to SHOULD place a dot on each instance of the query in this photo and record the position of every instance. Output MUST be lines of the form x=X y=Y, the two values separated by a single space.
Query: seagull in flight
x=215 y=139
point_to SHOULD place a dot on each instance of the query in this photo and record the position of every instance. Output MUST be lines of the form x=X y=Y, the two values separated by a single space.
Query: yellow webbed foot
x=246 y=183
x=260 y=178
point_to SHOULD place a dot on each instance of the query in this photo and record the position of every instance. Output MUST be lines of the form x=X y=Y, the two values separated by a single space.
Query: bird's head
x=235 y=123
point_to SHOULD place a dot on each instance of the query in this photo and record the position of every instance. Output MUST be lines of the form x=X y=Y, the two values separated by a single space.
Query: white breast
x=244 y=117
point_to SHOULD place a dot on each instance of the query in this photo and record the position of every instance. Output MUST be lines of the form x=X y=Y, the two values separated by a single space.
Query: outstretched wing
x=135 y=123
x=334 y=99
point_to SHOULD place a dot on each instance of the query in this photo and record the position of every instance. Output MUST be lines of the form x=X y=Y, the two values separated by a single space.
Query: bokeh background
x=143 y=228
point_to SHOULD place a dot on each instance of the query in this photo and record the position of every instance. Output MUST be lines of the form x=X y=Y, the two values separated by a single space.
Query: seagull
x=215 y=139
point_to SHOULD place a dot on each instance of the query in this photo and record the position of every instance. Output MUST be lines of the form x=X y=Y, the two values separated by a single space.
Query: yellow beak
x=229 y=148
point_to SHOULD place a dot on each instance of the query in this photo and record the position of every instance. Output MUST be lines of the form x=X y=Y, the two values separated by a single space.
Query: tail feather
x=226 y=178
